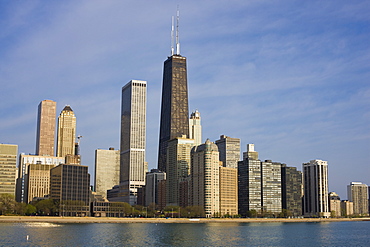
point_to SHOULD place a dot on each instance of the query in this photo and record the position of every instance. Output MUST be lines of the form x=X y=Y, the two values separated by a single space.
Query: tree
x=7 y=204
x=46 y=207
x=252 y=213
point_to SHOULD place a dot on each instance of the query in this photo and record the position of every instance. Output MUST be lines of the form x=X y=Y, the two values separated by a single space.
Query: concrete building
x=357 y=193
x=8 y=168
x=177 y=167
x=133 y=167
x=66 y=132
x=39 y=177
x=229 y=149
x=70 y=186
x=45 y=137
x=174 y=109
x=334 y=205
x=195 y=128
x=107 y=170
x=291 y=190
x=152 y=186
x=228 y=191
x=271 y=188
x=315 y=180
x=346 y=208
x=205 y=177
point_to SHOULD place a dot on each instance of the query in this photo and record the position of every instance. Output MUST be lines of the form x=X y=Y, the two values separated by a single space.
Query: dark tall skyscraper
x=174 y=109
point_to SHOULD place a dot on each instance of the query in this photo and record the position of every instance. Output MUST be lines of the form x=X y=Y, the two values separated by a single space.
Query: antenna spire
x=177 y=32
x=172 y=37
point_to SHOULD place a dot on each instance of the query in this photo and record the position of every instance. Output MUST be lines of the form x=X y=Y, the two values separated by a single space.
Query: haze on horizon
x=291 y=77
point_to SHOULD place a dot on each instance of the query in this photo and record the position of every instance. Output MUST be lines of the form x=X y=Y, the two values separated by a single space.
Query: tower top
x=177 y=51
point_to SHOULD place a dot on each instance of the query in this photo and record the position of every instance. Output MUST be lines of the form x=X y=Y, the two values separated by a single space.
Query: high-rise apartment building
x=133 y=167
x=46 y=128
x=34 y=176
x=107 y=170
x=205 y=178
x=195 y=128
x=228 y=191
x=153 y=178
x=70 y=186
x=334 y=205
x=8 y=168
x=271 y=187
x=315 y=184
x=291 y=190
x=177 y=167
x=357 y=193
x=174 y=110
x=346 y=208
x=66 y=132
x=229 y=149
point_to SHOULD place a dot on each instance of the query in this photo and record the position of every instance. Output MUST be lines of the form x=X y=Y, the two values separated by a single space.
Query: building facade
x=66 y=132
x=133 y=167
x=46 y=119
x=315 y=180
x=70 y=186
x=346 y=208
x=195 y=128
x=334 y=205
x=107 y=170
x=229 y=149
x=38 y=180
x=153 y=178
x=205 y=178
x=357 y=193
x=174 y=109
x=177 y=167
x=228 y=191
x=8 y=168
x=271 y=188
x=291 y=190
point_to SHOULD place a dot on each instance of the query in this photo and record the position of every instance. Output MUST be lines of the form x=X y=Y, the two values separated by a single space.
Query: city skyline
x=291 y=78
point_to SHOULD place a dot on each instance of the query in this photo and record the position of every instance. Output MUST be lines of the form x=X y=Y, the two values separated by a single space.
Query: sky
x=291 y=77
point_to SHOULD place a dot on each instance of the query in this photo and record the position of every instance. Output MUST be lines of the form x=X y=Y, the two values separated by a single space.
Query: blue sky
x=292 y=77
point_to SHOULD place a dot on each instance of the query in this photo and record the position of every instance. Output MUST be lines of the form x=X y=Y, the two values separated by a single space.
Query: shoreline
x=48 y=219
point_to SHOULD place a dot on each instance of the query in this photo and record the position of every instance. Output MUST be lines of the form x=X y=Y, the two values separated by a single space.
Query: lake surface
x=188 y=234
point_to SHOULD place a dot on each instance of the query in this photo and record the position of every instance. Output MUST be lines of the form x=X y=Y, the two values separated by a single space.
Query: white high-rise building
x=133 y=167
x=315 y=180
x=357 y=193
x=66 y=132
x=195 y=129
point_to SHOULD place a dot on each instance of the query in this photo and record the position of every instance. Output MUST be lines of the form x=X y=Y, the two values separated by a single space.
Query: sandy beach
x=19 y=219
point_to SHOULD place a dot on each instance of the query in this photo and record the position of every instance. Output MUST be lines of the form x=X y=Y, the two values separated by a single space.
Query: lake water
x=190 y=234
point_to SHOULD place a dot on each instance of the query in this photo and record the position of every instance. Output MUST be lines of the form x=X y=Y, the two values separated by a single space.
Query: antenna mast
x=172 y=37
x=177 y=32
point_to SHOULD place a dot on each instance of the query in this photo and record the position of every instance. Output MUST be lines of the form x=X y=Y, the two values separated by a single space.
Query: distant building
x=162 y=194
x=151 y=187
x=357 y=193
x=70 y=186
x=66 y=132
x=35 y=184
x=229 y=149
x=334 y=204
x=291 y=190
x=205 y=178
x=259 y=185
x=346 y=208
x=315 y=198
x=107 y=170
x=228 y=191
x=46 y=128
x=8 y=168
x=195 y=128
x=133 y=167
x=178 y=167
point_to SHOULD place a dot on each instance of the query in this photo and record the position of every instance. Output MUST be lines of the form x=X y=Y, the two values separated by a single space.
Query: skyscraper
x=46 y=128
x=291 y=190
x=229 y=149
x=153 y=178
x=8 y=168
x=133 y=167
x=315 y=184
x=66 y=132
x=174 y=110
x=228 y=191
x=195 y=128
x=205 y=178
x=107 y=170
x=357 y=193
